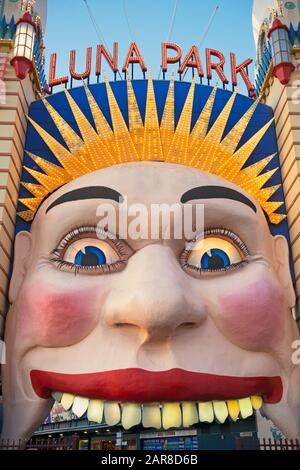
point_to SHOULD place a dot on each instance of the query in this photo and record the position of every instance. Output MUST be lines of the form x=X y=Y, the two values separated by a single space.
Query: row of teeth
x=165 y=415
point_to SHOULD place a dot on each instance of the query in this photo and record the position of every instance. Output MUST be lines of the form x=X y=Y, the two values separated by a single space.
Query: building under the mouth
x=277 y=37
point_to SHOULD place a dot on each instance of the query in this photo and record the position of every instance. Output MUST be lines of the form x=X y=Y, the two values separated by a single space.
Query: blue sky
x=69 y=27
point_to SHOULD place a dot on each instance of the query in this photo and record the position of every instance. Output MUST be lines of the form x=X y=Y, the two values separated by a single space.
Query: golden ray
x=200 y=129
x=44 y=180
x=210 y=146
x=58 y=150
x=152 y=146
x=135 y=121
x=103 y=128
x=217 y=130
x=256 y=168
x=124 y=143
x=48 y=167
x=36 y=190
x=254 y=185
x=26 y=215
x=232 y=139
x=241 y=156
x=274 y=217
x=247 y=149
x=267 y=193
x=179 y=145
x=86 y=129
x=32 y=203
x=167 y=125
x=73 y=141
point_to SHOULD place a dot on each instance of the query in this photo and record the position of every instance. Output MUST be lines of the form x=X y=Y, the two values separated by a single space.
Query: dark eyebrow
x=216 y=192
x=92 y=192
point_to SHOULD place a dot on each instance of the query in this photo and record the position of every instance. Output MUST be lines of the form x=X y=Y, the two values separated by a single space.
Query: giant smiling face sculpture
x=142 y=330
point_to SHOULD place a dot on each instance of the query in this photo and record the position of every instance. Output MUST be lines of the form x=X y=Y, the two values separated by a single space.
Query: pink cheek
x=52 y=319
x=253 y=317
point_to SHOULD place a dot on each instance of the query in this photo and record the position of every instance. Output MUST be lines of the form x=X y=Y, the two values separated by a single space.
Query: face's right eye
x=90 y=250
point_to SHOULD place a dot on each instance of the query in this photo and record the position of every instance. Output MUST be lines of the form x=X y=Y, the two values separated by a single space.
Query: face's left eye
x=90 y=252
x=213 y=254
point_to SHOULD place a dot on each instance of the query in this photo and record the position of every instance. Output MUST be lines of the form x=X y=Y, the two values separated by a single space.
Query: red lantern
x=23 y=49
x=281 y=52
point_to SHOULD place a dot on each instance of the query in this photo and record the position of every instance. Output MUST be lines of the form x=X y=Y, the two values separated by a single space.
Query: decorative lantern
x=24 y=42
x=281 y=52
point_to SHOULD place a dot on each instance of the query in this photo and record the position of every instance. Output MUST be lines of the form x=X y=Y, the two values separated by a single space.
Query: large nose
x=154 y=295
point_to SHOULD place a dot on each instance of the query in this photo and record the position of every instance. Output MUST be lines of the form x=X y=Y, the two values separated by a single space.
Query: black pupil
x=89 y=259
x=215 y=262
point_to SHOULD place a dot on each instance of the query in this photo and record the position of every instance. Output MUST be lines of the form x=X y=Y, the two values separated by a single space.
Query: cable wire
x=171 y=27
x=131 y=33
x=206 y=31
x=97 y=28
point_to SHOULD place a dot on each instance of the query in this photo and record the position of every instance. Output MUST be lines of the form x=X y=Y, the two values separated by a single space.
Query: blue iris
x=215 y=259
x=290 y=5
x=91 y=256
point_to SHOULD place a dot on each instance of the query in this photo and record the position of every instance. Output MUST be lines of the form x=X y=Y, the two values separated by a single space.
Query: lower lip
x=144 y=386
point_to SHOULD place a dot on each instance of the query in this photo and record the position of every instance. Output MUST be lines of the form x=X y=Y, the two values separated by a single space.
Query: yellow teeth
x=206 y=412
x=171 y=415
x=233 y=409
x=80 y=406
x=131 y=415
x=245 y=408
x=67 y=401
x=151 y=416
x=95 y=411
x=189 y=414
x=112 y=413
x=256 y=402
x=221 y=411
x=159 y=415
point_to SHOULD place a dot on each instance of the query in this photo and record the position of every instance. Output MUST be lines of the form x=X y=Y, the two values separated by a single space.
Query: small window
x=276 y=47
x=285 y=57
x=282 y=34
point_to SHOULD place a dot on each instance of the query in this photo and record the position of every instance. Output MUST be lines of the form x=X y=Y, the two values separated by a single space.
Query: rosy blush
x=57 y=319
x=251 y=316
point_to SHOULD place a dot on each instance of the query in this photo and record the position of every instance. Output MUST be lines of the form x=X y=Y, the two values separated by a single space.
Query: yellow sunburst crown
x=102 y=146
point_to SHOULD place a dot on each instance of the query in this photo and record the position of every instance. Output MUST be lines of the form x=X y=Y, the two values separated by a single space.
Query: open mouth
x=166 y=399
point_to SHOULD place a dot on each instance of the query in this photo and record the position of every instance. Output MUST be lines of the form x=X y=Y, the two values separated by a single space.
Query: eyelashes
x=223 y=233
x=214 y=251
x=92 y=250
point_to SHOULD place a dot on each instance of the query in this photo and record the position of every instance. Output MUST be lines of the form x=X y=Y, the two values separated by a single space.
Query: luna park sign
x=171 y=54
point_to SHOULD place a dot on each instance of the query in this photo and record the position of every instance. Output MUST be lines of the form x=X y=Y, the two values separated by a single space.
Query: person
x=161 y=331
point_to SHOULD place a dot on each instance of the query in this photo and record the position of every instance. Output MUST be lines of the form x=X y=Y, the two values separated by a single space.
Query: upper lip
x=139 y=385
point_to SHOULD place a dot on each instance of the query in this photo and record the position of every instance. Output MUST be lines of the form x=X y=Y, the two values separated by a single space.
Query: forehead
x=146 y=182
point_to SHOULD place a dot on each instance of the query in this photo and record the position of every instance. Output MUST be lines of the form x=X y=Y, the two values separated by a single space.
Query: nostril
x=125 y=325
x=188 y=325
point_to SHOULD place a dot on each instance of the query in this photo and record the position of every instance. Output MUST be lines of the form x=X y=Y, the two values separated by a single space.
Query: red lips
x=143 y=386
